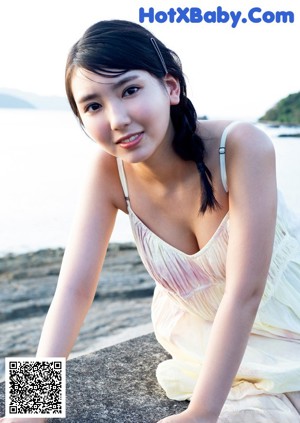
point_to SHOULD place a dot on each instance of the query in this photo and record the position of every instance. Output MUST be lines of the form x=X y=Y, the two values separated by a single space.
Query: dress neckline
x=224 y=182
x=169 y=246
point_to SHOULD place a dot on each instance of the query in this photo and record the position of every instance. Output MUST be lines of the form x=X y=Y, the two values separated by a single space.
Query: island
x=17 y=99
x=285 y=112
x=12 y=102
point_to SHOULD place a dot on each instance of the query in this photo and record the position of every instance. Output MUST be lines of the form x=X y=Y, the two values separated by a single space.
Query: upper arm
x=91 y=228
x=250 y=160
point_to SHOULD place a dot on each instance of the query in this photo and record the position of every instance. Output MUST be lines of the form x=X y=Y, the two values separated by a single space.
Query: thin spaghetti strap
x=123 y=179
x=222 y=151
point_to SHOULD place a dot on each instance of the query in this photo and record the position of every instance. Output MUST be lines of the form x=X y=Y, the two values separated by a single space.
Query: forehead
x=103 y=78
x=83 y=79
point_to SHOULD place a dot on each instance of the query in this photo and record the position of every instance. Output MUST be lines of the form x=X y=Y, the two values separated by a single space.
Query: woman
x=225 y=259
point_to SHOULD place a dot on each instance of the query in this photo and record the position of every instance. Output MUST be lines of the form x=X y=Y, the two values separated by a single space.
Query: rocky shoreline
x=121 y=308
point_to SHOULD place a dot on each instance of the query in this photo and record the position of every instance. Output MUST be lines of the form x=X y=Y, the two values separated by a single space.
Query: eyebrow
x=116 y=85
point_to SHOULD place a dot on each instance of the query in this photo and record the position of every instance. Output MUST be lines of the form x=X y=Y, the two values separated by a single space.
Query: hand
x=186 y=417
x=22 y=420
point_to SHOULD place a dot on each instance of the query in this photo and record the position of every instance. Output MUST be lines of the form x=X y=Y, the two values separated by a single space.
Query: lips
x=130 y=141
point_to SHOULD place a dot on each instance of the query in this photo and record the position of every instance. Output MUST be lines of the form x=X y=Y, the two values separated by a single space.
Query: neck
x=164 y=168
x=166 y=171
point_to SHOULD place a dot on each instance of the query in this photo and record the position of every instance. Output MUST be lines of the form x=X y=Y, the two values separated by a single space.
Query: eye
x=93 y=107
x=130 y=91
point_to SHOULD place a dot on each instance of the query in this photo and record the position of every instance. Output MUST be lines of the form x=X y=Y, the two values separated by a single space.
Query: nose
x=118 y=116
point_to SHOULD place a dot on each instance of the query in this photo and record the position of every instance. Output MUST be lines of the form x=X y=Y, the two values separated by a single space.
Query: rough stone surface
x=116 y=384
x=27 y=284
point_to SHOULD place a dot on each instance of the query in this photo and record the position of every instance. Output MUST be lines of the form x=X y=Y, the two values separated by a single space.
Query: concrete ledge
x=116 y=384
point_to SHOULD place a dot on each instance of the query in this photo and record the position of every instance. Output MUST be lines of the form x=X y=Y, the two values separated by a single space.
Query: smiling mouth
x=131 y=141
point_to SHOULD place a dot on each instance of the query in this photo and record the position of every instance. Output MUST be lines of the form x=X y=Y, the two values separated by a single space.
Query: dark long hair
x=123 y=45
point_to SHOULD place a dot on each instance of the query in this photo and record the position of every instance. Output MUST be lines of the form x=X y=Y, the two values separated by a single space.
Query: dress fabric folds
x=189 y=289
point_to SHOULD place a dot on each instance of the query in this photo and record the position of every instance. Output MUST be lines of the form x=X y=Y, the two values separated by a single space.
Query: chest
x=175 y=218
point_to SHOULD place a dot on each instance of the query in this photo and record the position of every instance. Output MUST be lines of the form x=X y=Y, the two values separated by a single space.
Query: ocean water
x=43 y=159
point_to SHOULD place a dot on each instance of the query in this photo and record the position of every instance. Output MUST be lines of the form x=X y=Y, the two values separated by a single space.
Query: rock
x=295 y=135
x=27 y=284
x=116 y=385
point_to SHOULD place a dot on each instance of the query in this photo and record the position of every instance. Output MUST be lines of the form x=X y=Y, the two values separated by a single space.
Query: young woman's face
x=128 y=115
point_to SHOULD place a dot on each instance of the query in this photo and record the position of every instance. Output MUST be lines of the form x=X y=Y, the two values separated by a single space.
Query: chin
x=136 y=157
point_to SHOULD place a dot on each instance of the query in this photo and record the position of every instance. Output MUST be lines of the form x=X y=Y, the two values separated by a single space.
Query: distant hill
x=12 y=102
x=286 y=111
x=10 y=98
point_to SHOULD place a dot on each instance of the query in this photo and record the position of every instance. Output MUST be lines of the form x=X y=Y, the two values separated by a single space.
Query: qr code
x=35 y=387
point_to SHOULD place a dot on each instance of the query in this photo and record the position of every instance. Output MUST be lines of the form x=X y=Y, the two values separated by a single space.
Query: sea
x=43 y=160
x=44 y=156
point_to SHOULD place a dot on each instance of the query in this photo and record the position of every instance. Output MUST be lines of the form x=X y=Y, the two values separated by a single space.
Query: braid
x=189 y=146
x=208 y=197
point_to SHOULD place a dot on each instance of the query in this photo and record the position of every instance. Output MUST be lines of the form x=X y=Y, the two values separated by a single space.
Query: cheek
x=155 y=111
x=160 y=116
x=96 y=129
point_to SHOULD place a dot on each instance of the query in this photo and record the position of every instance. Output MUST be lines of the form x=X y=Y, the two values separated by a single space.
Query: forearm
x=62 y=324
x=224 y=354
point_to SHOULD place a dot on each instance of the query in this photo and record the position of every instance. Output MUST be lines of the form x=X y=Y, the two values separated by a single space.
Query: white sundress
x=189 y=289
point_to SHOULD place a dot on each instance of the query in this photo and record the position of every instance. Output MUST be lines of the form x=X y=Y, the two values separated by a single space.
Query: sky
x=232 y=72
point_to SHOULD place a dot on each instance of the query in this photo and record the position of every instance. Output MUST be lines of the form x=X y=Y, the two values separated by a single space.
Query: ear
x=173 y=88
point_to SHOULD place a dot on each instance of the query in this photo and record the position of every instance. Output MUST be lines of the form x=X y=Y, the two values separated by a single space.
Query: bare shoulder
x=103 y=178
x=247 y=137
x=250 y=163
x=242 y=137
x=250 y=153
